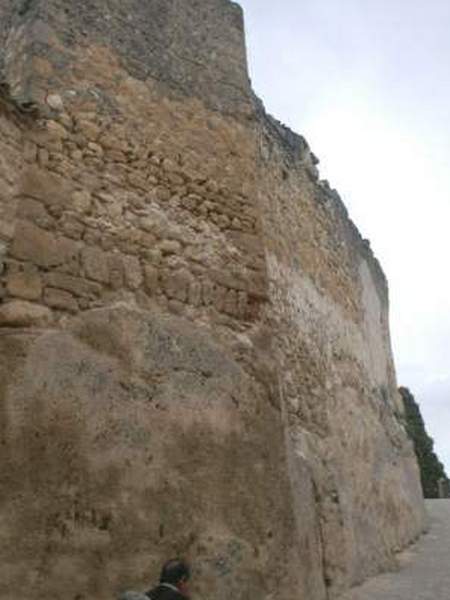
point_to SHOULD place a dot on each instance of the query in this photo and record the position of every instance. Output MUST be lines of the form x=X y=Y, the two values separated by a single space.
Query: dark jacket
x=162 y=592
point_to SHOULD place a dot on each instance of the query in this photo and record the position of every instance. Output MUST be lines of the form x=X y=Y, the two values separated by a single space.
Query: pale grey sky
x=367 y=82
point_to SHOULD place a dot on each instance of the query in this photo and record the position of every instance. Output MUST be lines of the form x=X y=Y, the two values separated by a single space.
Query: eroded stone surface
x=220 y=329
x=134 y=432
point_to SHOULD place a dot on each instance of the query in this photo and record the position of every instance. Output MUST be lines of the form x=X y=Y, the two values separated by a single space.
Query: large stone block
x=176 y=283
x=26 y=284
x=95 y=264
x=132 y=272
x=43 y=185
x=116 y=271
x=45 y=249
x=60 y=299
x=35 y=211
x=139 y=407
x=75 y=285
x=151 y=279
x=19 y=313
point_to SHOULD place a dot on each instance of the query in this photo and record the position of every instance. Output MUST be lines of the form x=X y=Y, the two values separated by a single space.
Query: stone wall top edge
x=222 y=82
x=361 y=244
x=195 y=48
x=296 y=153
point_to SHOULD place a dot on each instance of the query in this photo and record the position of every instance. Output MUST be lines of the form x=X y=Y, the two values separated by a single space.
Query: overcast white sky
x=367 y=82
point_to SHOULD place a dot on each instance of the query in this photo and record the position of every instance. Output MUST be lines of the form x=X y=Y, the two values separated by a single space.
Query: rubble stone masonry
x=194 y=336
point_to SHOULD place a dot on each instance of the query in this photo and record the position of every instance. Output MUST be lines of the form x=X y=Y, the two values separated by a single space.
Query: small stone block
x=60 y=299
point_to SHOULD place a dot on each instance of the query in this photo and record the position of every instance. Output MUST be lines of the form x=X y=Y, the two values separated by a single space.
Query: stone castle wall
x=337 y=381
x=195 y=337
x=11 y=160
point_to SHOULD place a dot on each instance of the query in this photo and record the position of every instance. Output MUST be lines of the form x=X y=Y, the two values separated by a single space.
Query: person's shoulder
x=161 y=592
x=133 y=596
x=153 y=594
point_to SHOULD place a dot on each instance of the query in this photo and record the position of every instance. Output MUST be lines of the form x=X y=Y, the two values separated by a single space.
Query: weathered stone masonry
x=194 y=337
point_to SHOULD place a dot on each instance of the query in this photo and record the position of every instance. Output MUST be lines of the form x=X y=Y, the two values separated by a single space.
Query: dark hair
x=174 y=570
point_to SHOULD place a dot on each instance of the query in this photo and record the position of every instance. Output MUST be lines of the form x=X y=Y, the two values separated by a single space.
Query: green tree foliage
x=431 y=469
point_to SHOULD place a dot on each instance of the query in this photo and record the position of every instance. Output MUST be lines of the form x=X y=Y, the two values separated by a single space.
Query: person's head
x=176 y=572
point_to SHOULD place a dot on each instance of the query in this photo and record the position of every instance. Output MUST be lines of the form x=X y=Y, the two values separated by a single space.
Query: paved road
x=424 y=572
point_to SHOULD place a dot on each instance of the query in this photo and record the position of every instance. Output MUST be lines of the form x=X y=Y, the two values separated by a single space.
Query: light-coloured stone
x=30 y=151
x=151 y=279
x=90 y=130
x=19 y=313
x=60 y=299
x=49 y=188
x=55 y=102
x=195 y=293
x=43 y=157
x=95 y=264
x=57 y=131
x=35 y=211
x=74 y=285
x=42 y=248
x=132 y=272
x=170 y=247
x=116 y=271
x=95 y=149
x=230 y=303
x=176 y=284
x=207 y=292
x=25 y=284
x=163 y=194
